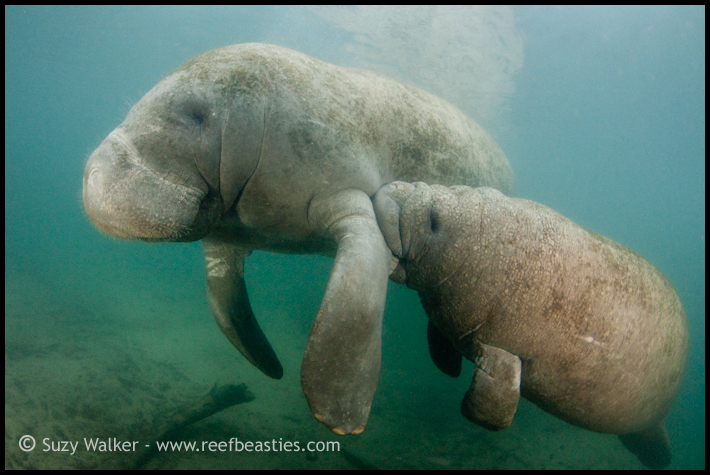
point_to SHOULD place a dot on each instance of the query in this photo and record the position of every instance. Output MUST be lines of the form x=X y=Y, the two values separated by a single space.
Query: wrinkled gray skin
x=583 y=327
x=260 y=147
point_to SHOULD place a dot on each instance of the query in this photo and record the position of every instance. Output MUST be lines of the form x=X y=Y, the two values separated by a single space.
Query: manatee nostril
x=91 y=174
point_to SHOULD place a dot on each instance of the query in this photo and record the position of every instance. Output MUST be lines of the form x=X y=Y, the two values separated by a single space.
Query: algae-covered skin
x=580 y=325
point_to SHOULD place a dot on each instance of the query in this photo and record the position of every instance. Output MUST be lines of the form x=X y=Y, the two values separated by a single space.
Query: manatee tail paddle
x=651 y=447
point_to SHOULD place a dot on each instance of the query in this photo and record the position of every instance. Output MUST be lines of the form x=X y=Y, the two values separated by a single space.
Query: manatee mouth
x=126 y=199
x=123 y=214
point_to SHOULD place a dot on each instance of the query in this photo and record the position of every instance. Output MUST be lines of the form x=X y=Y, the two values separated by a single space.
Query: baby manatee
x=580 y=325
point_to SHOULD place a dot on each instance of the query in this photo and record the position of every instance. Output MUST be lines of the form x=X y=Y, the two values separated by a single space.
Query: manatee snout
x=388 y=202
x=404 y=215
x=126 y=199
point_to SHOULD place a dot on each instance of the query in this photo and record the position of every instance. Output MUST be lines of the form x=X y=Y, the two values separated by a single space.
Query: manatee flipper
x=229 y=301
x=651 y=446
x=493 y=397
x=443 y=353
x=341 y=363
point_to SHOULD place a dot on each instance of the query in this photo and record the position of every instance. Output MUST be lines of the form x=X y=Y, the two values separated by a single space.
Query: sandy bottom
x=73 y=373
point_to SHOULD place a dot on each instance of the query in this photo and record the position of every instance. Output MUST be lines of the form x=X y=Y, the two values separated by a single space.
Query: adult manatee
x=583 y=327
x=260 y=147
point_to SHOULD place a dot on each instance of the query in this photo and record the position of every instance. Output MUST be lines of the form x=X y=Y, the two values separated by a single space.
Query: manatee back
x=375 y=129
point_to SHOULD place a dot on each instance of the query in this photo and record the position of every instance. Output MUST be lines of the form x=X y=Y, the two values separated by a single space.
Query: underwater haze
x=600 y=111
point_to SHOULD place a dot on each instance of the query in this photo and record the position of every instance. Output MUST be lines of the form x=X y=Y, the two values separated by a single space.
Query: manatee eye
x=198 y=118
x=434 y=223
x=194 y=113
